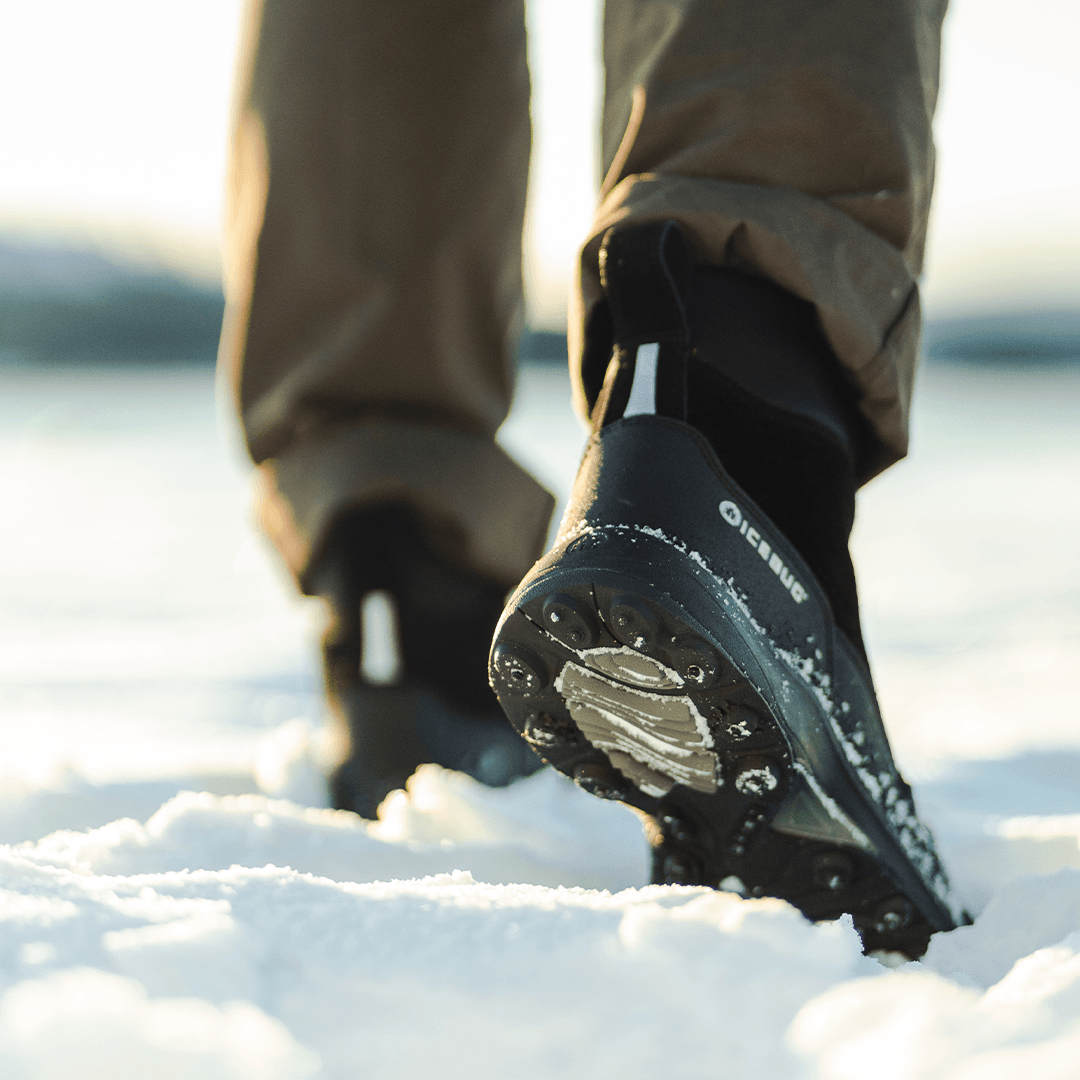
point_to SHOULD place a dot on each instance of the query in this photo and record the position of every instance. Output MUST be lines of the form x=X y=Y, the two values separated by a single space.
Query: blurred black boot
x=405 y=657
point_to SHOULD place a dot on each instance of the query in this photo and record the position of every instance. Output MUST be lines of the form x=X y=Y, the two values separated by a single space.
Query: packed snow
x=176 y=900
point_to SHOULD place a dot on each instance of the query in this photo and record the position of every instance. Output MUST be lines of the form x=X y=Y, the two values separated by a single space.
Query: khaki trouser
x=377 y=188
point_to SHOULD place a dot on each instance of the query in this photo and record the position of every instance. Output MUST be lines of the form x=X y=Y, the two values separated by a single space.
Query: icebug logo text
x=734 y=517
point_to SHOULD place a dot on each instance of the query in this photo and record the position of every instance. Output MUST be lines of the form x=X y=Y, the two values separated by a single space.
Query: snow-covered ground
x=175 y=900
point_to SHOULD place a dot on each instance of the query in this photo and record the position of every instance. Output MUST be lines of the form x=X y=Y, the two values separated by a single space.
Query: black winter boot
x=691 y=644
x=404 y=661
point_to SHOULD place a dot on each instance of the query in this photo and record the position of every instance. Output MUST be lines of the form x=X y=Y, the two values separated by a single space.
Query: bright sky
x=1005 y=231
x=113 y=117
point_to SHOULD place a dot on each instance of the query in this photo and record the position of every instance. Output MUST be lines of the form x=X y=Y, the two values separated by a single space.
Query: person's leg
x=745 y=343
x=377 y=189
x=792 y=142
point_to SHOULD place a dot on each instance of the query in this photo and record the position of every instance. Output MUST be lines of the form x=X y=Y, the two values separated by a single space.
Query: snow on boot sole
x=674 y=652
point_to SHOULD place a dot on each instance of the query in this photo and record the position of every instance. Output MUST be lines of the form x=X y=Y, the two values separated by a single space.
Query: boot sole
x=648 y=681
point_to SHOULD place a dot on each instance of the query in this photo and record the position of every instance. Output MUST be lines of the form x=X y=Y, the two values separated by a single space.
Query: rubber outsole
x=630 y=662
x=688 y=742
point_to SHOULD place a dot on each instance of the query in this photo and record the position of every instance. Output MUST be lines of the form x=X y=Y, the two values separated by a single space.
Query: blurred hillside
x=1032 y=336
x=62 y=305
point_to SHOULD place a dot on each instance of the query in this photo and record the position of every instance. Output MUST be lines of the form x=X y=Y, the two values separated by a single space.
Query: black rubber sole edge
x=825 y=851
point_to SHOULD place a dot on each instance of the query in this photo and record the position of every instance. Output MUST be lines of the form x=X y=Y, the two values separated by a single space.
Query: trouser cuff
x=480 y=509
x=861 y=285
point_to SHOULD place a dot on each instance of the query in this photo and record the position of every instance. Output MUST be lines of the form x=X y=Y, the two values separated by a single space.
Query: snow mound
x=489 y=933
x=437 y=976
x=99 y=1026
x=930 y=1028
x=542 y=830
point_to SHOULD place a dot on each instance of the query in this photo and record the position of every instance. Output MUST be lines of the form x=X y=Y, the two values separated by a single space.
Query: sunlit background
x=114 y=116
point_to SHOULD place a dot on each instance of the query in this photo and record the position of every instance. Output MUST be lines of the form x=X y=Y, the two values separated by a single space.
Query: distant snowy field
x=176 y=901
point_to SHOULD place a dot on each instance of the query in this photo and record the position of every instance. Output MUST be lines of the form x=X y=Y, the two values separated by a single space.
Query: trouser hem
x=863 y=289
x=479 y=508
